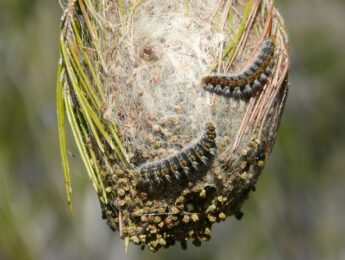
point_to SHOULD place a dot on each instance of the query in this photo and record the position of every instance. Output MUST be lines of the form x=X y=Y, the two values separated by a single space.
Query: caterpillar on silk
x=249 y=81
x=189 y=160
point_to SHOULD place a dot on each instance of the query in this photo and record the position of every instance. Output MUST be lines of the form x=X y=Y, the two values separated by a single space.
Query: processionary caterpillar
x=247 y=82
x=191 y=159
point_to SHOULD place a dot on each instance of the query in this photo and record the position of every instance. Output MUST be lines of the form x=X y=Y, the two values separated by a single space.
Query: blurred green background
x=297 y=212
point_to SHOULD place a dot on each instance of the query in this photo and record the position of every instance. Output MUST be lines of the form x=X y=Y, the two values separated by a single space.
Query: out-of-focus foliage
x=297 y=211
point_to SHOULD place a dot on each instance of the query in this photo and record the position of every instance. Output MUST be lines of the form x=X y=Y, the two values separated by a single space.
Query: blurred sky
x=297 y=211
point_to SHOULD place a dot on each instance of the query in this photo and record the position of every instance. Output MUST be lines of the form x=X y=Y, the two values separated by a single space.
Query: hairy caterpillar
x=247 y=82
x=191 y=159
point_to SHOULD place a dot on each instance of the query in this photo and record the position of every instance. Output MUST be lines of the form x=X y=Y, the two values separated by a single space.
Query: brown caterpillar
x=190 y=159
x=247 y=82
